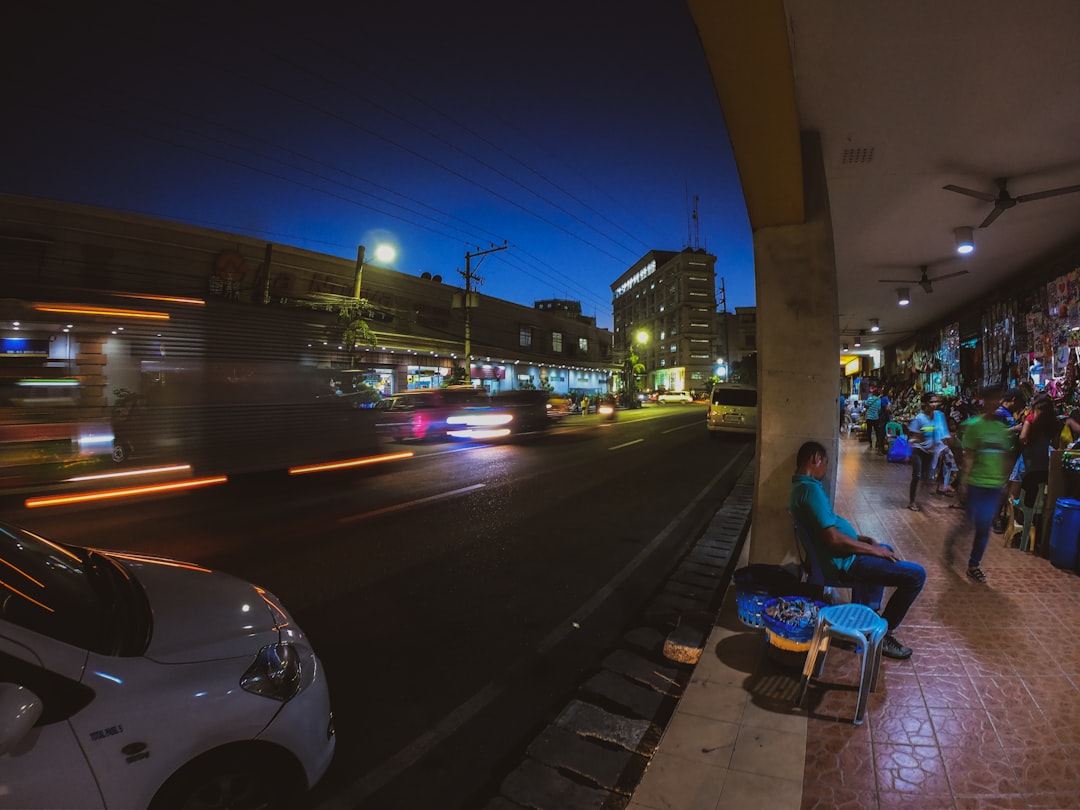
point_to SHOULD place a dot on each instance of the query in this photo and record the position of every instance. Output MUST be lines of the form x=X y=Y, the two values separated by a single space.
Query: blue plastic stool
x=862 y=627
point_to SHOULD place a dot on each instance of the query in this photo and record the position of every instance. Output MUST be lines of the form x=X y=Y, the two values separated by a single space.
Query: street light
x=641 y=338
x=383 y=252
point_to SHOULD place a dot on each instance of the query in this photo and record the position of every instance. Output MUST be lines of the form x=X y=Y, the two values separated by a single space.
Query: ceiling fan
x=925 y=281
x=1004 y=201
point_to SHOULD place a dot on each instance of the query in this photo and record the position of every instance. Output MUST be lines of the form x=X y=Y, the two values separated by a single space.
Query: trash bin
x=1065 y=533
x=1070 y=473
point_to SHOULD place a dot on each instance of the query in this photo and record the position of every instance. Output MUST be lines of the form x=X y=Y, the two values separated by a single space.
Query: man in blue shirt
x=866 y=565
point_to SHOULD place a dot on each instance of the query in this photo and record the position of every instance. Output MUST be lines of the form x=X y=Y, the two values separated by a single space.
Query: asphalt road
x=456 y=596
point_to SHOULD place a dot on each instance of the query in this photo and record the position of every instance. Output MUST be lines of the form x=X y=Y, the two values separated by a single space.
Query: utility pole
x=469 y=274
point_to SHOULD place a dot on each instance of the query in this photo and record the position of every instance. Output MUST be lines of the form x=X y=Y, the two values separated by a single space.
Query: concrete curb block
x=595 y=752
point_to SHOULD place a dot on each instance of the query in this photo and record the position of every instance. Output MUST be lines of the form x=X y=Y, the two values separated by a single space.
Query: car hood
x=203 y=615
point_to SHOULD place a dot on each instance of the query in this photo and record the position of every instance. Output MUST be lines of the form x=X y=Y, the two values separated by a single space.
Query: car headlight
x=275 y=673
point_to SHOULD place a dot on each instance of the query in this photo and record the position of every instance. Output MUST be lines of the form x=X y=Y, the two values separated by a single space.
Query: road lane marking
x=398 y=507
x=625 y=444
x=681 y=427
x=391 y=768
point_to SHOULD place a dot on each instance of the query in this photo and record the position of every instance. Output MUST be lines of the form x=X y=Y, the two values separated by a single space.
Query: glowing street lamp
x=633 y=364
x=385 y=253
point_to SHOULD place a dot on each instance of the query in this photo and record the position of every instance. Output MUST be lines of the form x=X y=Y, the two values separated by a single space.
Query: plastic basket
x=757 y=584
x=797 y=635
x=750 y=607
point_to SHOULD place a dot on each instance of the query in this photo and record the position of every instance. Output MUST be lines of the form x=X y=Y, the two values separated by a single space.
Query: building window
x=525 y=336
x=583 y=344
x=556 y=341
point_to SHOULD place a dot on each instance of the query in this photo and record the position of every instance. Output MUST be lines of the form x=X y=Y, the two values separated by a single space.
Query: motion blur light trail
x=128 y=492
x=354 y=462
x=131 y=473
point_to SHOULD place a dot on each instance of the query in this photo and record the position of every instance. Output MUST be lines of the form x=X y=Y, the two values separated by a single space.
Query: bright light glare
x=479 y=433
x=385 y=253
x=481 y=419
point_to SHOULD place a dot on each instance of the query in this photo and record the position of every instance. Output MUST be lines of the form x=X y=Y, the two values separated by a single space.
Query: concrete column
x=798 y=338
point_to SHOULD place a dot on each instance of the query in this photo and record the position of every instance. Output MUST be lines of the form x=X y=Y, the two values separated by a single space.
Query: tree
x=744 y=370
x=354 y=329
x=458 y=376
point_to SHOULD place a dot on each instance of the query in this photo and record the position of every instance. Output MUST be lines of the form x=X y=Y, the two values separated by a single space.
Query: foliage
x=458 y=376
x=744 y=370
x=354 y=329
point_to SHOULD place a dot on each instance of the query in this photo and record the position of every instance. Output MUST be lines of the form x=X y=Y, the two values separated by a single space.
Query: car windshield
x=743 y=397
x=70 y=594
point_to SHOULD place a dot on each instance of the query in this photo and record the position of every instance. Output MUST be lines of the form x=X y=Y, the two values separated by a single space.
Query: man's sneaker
x=891 y=648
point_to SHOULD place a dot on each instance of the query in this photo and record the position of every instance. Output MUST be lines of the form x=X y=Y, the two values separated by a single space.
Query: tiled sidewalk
x=985 y=714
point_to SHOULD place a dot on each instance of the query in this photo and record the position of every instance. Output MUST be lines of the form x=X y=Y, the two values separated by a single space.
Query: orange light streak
x=341 y=465
x=160 y=561
x=22 y=573
x=129 y=473
x=172 y=299
x=76 y=309
x=16 y=591
x=127 y=492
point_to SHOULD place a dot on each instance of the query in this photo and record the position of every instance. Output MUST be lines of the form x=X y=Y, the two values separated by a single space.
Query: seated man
x=867 y=566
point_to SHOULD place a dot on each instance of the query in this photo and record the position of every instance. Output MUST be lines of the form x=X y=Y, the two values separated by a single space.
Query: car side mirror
x=19 y=711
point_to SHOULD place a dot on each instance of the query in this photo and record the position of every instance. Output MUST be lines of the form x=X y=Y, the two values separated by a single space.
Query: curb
x=594 y=753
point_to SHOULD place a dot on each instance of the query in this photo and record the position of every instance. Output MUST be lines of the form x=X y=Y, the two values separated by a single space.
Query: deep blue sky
x=579 y=131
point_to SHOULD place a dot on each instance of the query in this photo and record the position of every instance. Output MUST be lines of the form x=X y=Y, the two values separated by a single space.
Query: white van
x=732 y=409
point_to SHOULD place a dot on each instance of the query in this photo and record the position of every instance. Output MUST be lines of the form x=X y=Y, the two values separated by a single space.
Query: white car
x=131 y=681
x=675 y=396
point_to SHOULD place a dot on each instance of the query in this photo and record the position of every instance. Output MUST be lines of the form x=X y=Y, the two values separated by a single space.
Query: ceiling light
x=874 y=325
x=902 y=297
x=965 y=240
x=846 y=347
x=858 y=339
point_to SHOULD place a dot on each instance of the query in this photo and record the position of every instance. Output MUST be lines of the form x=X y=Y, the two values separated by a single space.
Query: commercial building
x=669 y=299
x=236 y=345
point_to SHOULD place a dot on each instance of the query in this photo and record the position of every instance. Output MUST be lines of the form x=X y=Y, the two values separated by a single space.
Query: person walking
x=873 y=417
x=988 y=448
x=925 y=436
x=1012 y=405
x=884 y=417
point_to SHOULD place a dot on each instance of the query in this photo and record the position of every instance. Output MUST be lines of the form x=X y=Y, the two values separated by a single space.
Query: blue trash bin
x=1065 y=533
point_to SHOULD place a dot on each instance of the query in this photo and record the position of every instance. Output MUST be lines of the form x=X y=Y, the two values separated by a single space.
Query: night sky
x=578 y=132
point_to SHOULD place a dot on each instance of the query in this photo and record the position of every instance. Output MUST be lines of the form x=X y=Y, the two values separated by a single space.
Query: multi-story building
x=671 y=297
x=225 y=336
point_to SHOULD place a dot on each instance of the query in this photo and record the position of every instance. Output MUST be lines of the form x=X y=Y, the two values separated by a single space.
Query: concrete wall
x=797 y=336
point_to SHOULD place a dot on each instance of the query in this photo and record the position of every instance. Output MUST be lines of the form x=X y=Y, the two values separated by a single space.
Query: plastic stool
x=862 y=627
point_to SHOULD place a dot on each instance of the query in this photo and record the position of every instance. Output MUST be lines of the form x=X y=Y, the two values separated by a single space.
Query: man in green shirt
x=988 y=451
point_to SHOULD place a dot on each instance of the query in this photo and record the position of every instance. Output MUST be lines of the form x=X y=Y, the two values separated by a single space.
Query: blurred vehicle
x=732 y=409
x=504 y=414
x=606 y=408
x=674 y=396
x=134 y=681
x=422 y=414
x=558 y=405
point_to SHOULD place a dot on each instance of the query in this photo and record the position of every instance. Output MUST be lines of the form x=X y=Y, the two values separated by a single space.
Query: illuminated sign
x=637 y=278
